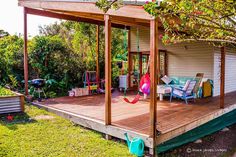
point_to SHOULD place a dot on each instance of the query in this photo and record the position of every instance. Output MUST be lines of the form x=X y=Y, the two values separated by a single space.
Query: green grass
x=26 y=136
x=5 y=92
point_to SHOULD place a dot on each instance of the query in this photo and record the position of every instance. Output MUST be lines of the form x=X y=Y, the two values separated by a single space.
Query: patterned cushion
x=186 y=85
x=178 y=92
x=191 y=87
x=166 y=79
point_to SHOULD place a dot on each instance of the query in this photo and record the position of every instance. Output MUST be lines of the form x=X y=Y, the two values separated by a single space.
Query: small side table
x=163 y=89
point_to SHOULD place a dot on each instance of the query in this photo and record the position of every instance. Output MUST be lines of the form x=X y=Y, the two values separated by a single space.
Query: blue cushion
x=180 y=81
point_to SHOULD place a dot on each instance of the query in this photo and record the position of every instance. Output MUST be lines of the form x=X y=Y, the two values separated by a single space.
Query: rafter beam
x=63 y=16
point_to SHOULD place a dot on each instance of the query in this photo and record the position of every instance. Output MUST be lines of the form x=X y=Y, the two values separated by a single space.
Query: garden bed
x=10 y=101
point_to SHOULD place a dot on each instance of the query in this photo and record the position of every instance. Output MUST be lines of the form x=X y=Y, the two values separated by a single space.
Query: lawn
x=40 y=133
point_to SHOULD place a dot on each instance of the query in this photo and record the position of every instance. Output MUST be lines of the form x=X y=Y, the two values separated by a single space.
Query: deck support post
x=153 y=76
x=108 y=137
x=222 y=78
x=25 y=53
x=140 y=64
x=129 y=59
x=97 y=55
x=107 y=29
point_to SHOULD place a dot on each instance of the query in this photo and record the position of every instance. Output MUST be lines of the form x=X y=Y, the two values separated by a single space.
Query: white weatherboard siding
x=188 y=59
x=230 y=71
x=185 y=59
x=143 y=39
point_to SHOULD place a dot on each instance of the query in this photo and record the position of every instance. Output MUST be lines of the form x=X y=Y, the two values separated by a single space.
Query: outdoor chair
x=198 y=78
x=184 y=93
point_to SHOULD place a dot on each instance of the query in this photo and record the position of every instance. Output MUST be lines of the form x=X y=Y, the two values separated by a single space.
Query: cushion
x=166 y=79
x=178 y=92
x=174 y=81
x=186 y=85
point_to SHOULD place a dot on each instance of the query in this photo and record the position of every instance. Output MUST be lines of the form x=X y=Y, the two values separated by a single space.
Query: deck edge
x=193 y=124
x=96 y=125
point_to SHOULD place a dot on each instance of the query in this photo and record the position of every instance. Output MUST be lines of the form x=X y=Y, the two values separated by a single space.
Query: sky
x=11 y=19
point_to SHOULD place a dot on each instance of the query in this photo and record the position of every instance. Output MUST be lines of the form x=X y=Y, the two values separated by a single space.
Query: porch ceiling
x=128 y=15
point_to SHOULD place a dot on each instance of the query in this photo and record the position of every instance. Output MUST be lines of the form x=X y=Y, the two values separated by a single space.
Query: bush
x=5 y=92
x=61 y=54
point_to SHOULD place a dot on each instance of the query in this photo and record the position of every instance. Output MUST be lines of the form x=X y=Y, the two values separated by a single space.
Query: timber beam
x=63 y=16
x=97 y=55
x=25 y=52
x=154 y=53
x=107 y=30
x=222 y=78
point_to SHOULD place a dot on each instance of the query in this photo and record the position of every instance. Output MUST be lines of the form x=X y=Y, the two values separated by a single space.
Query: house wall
x=143 y=38
x=230 y=70
x=185 y=59
x=188 y=59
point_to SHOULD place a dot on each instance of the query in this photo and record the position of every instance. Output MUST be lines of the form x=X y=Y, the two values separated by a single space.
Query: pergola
x=128 y=15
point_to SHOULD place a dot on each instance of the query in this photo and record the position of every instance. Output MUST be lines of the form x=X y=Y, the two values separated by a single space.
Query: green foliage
x=5 y=92
x=11 y=54
x=105 y=5
x=51 y=94
x=13 y=82
x=3 y=33
x=206 y=20
x=40 y=133
x=60 y=54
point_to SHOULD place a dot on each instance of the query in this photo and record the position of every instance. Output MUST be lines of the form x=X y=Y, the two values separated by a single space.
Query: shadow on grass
x=18 y=118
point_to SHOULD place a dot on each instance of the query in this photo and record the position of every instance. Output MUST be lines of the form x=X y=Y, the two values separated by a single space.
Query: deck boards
x=135 y=117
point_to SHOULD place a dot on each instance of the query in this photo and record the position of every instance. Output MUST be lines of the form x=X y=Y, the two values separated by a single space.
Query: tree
x=208 y=20
x=47 y=30
x=186 y=20
x=105 y=5
x=11 y=54
x=3 y=33
x=60 y=54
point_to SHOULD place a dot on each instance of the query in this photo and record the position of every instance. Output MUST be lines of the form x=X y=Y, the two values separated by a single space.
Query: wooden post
x=166 y=64
x=222 y=78
x=107 y=29
x=22 y=103
x=153 y=76
x=129 y=59
x=158 y=66
x=97 y=55
x=25 y=53
x=140 y=64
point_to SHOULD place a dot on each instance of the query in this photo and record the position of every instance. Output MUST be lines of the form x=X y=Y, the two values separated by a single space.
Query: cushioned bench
x=179 y=81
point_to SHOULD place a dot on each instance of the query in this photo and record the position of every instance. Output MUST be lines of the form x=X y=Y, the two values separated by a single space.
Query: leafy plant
x=105 y=5
x=5 y=92
x=51 y=94
x=188 y=20
x=13 y=82
x=60 y=55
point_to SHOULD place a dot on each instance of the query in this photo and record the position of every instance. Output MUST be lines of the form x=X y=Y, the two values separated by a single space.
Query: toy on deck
x=145 y=84
x=93 y=84
x=91 y=81
x=144 y=88
x=134 y=101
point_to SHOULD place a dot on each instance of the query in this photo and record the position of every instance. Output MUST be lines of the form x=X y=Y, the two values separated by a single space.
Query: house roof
x=127 y=15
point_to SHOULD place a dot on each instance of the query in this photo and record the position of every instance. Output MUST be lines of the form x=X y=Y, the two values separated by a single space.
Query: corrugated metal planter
x=10 y=104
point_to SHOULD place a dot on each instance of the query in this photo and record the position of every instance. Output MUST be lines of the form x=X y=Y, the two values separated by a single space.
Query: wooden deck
x=173 y=118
